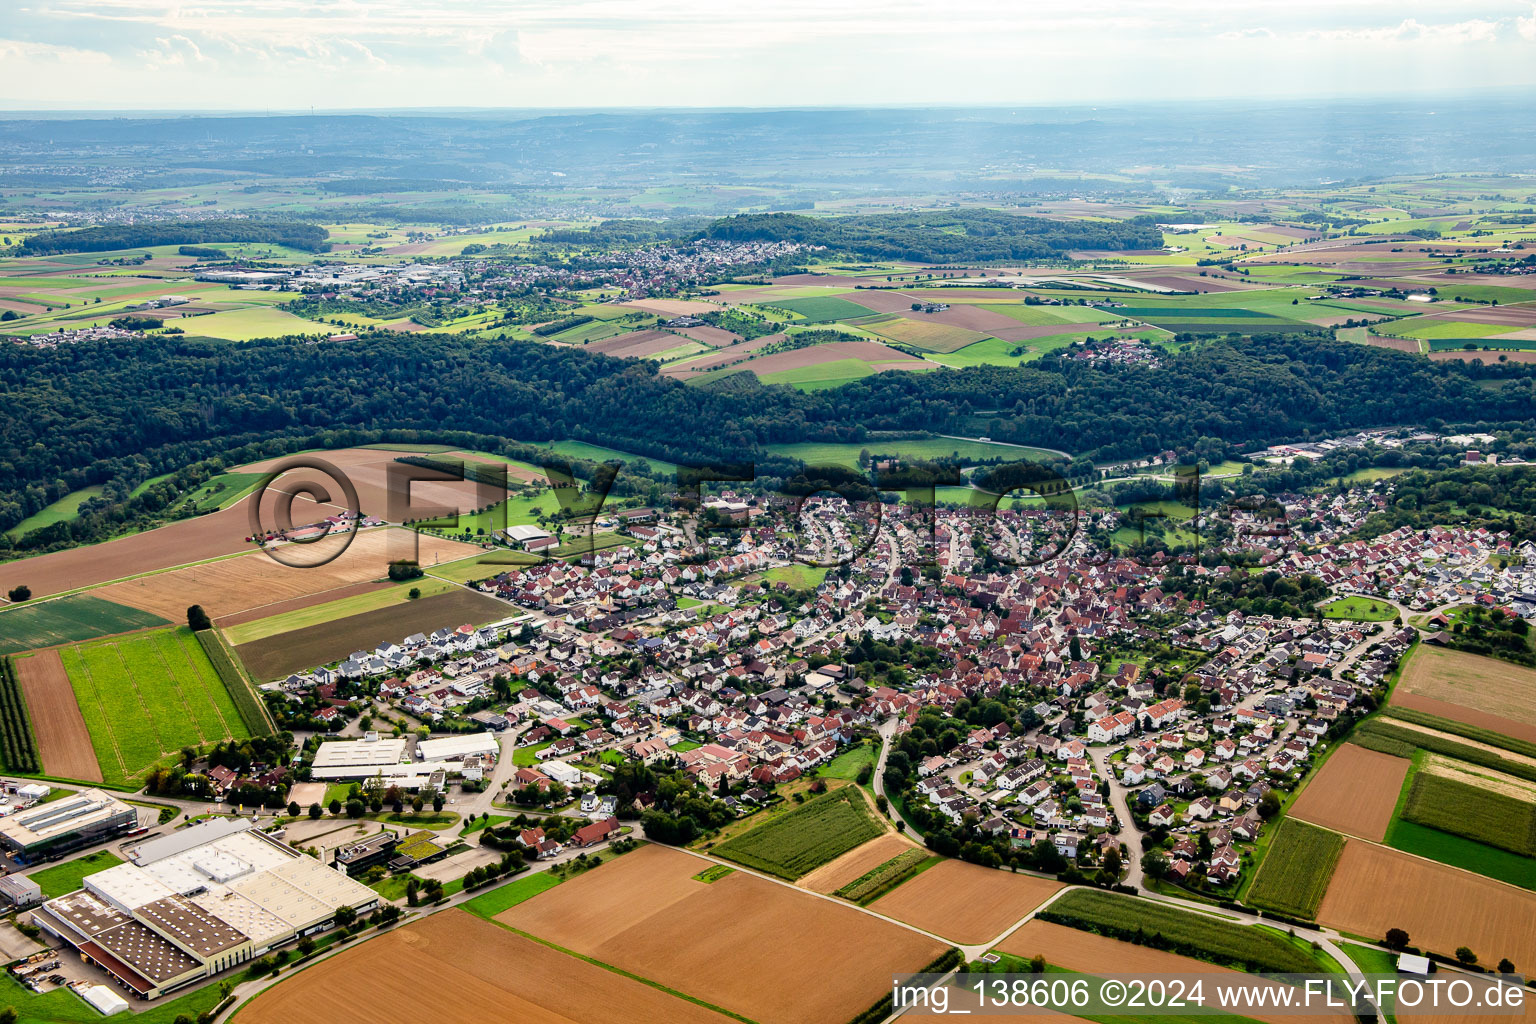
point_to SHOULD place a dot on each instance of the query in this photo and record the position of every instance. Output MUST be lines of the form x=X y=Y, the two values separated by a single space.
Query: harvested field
x=714 y=337
x=370 y=471
x=467 y=961
x=276 y=656
x=1094 y=954
x=931 y=336
x=715 y=360
x=866 y=351
x=835 y=874
x=636 y=344
x=1526 y=356
x=232 y=585
x=1502 y=696
x=1375 y=888
x=646 y=913
x=189 y=540
x=674 y=307
x=963 y=902
x=1396 y=344
x=1354 y=793
x=307 y=601
x=62 y=738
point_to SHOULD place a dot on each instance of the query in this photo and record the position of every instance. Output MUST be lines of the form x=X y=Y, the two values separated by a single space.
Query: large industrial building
x=54 y=829
x=196 y=902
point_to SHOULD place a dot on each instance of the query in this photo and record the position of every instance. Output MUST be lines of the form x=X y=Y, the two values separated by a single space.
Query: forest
x=111 y=237
x=942 y=236
x=101 y=412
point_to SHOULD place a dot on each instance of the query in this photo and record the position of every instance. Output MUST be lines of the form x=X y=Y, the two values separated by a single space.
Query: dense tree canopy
x=93 y=413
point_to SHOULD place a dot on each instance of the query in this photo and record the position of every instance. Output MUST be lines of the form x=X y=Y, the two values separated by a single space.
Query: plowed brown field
x=235 y=584
x=1501 y=696
x=746 y=944
x=1355 y=792
x=965 y=903
x=1440 y=907
x=62 y=739
x=457 y=969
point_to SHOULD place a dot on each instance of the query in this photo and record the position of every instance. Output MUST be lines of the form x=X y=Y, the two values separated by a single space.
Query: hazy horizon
x=248 y=55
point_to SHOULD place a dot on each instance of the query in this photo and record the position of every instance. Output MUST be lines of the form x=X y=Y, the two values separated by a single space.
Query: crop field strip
x=253 y=712
x=1196 y=935
x=68 y=619
x=818 y=831
x=1295 y=873
x=1354 y=793
x=877 y=882
x=18 y=745
x=146 y=697
x=1463 y=808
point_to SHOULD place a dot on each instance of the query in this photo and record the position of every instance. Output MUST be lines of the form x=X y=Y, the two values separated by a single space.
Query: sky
x=370 y=54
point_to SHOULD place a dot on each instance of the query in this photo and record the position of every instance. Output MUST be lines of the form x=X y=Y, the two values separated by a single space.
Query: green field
x=849 y=763
x=797 y=576
x=64 y=878
x=881 y=879
x=45 y=623
x=1479 y=858
x=819 y=453
x=1296 y=871
x=246 y=324
x=1359 y=609
x=146 y=696
x=1430 y=328
x=831 y=374
x=714 y=873
x=224 y=490
x=1248 y=947
x=822 y=308
x=61 y=511
x=820 y=830
x=597 y=453
x=1496 y=819
x=503 y=898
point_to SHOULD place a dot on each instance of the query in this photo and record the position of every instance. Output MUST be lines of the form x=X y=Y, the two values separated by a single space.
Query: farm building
x=356 y=759
x=51 y=830
x=189 y=905
x=456 y=748
x=526 y=535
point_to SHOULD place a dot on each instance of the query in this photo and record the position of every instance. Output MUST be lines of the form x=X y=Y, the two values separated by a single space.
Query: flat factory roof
x=359 y=753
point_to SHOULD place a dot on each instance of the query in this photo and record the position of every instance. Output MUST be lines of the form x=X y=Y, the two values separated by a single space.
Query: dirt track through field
x=453 y=968
x=744 y=943
x=1440 y=907
x=62 y=738
x=1355 y=793
x=966 y=903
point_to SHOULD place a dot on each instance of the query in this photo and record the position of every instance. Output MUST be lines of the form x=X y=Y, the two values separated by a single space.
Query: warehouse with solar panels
x=196 y=902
